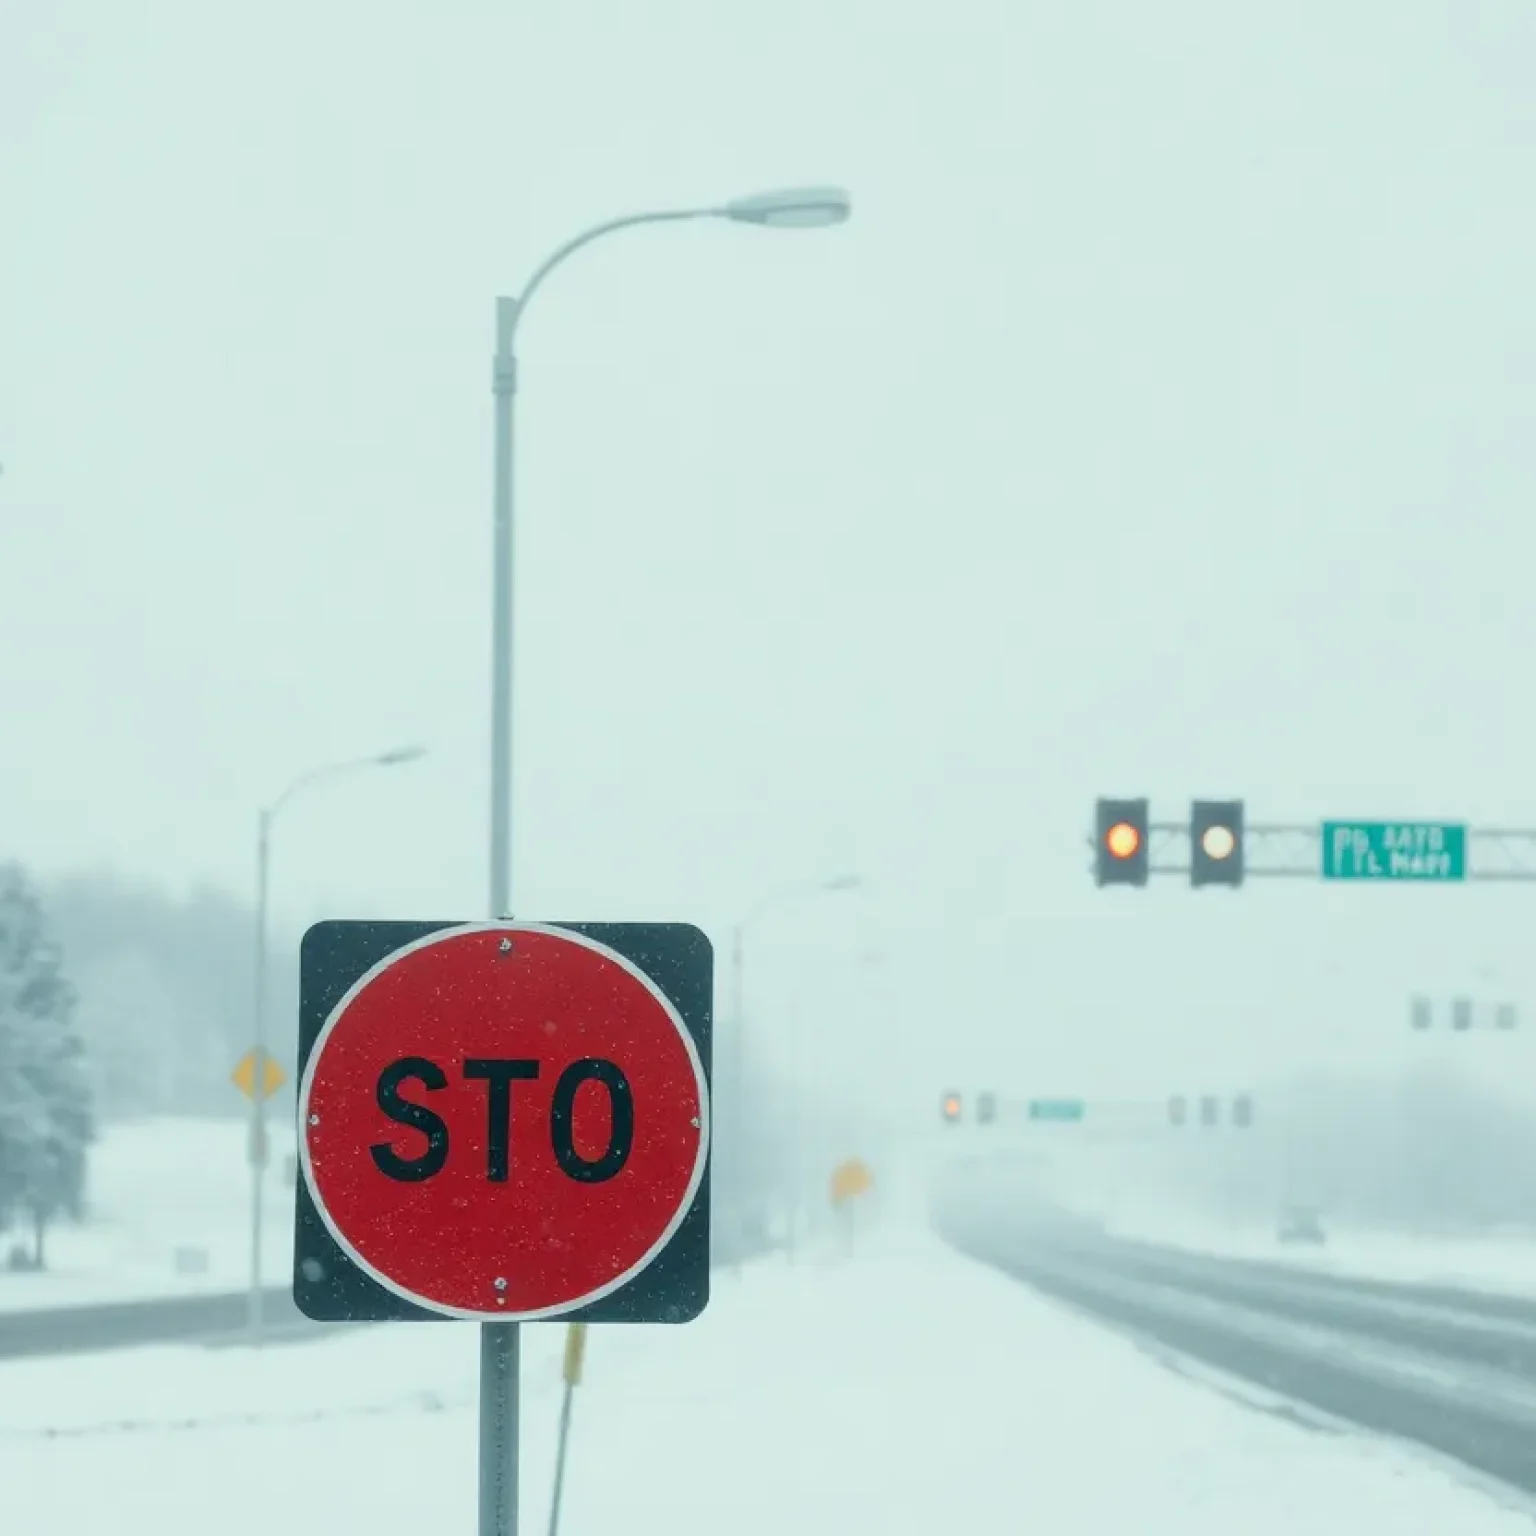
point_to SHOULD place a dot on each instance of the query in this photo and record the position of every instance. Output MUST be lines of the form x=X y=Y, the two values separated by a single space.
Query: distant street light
x=795 y=895
x=264 y=820
x=737 y=1038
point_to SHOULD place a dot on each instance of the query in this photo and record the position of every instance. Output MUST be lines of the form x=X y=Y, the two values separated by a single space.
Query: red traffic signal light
x=1120 y=842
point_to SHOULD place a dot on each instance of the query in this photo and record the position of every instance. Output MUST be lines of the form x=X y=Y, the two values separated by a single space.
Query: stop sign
x=503 y=1121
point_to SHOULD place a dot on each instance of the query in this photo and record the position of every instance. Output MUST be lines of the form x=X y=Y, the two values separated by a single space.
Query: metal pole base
x=500 y=1350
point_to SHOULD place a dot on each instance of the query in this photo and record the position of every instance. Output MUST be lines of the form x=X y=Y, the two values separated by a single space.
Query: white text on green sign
x=1394 y=850
x=1055 y=1109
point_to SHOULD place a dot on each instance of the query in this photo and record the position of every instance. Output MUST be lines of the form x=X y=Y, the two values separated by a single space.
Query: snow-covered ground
x=898 y=1389
x=170 y=1212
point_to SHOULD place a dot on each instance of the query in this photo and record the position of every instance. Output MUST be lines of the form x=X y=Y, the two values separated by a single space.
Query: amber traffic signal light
x=952 y=1108
x=1216 y=842
x=1120 y=842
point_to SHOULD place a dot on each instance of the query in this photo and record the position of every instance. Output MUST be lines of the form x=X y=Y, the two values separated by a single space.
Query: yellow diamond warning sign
x=850 y=1180
x=253 y=1084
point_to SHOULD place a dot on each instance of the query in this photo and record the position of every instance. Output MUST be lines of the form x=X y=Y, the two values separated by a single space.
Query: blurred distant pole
x=736 y=1076
x=802 y=1188
x=793 y=208
x=258 y=1147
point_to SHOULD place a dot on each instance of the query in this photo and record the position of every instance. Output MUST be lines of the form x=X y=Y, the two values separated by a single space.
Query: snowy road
x=904 y=1390
x=1454 y=1371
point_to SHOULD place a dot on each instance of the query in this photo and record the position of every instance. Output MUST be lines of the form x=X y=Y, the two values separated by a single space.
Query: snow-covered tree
x=46 y=1120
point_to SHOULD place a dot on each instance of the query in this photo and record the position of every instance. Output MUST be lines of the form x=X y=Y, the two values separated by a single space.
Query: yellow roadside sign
x=851 y=1179
x=244 y=1077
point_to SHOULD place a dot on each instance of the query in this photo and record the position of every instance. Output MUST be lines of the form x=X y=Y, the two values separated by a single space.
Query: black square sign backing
x=330 y=1286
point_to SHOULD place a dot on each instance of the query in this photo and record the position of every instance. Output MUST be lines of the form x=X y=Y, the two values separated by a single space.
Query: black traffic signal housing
x=1210 y=1110
x=1242 y=1111
x=986 y=1108
x=1120 y=854
x=1216 y=842
x=1178 y=1110
x=952 y=1108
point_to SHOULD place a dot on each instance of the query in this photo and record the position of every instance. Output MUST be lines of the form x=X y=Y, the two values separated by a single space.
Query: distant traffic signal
x=1216 y=842
x=1120 y=855
x=1421 y=1013
x=986 y=1108
x=1241 y=1110
x=952 y=1108
x=1504 y=1016
x=1461 y=1013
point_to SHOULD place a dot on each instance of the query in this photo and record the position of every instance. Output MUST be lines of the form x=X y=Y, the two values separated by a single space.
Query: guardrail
x=122 y=1324
x=212 y=1318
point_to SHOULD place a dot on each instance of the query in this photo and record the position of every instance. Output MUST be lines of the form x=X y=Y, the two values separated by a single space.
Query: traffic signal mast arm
x=1293 y=851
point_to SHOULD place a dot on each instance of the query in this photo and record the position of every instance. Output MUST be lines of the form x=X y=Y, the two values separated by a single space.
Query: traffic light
x=1120 y=842
x=1210 y=1110
x=952 y=1108
x=1461 y=1013
x=1504 y=1016
x=1216 y=842
x=1242 y=1111
x=1420 y=1013
x=1178 y=1110
x=986 y=1108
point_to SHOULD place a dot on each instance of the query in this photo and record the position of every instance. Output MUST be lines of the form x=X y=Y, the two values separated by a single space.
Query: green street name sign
x=1055 y=1109
x=1394 y=850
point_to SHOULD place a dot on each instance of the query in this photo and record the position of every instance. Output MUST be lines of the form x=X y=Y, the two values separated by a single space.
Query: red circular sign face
x=503 y=1121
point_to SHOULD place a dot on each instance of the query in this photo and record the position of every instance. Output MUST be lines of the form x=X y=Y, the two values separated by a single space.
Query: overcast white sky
x=1160 y=423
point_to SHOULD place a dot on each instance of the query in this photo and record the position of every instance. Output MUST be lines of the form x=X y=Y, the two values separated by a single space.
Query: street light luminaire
x=400 y=755
x=792 y=208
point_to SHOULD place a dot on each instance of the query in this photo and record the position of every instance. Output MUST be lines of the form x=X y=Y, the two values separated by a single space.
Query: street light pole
x=257 y=1151
x=805 y=207
x=802 y=208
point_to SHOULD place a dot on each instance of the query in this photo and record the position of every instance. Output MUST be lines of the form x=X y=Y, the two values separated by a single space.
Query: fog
x=1157 y=426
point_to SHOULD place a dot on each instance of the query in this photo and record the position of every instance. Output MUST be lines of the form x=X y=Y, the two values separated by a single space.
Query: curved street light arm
x=792 y=895
x=329 y=770
x=586 y=237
